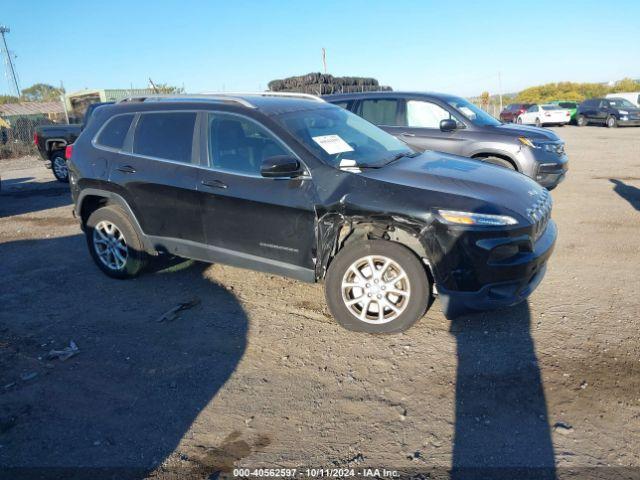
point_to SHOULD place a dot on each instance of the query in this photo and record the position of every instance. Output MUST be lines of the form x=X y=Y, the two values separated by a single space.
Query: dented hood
x=445 y=178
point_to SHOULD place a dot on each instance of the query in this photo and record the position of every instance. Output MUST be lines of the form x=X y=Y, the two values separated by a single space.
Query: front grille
x=539 y=213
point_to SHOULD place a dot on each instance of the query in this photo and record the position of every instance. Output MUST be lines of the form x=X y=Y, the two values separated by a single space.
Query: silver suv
x=445 y=123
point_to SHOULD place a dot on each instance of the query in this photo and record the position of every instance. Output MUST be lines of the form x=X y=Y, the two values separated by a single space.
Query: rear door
x=250 y=219
x=158 y=170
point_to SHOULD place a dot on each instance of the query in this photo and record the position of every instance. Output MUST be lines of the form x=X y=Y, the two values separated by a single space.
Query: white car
x=543 y=114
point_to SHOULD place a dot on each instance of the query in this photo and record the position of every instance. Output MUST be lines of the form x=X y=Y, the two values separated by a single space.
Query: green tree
x=41 y=92
x=484 y=99
x=626 y=85
x=8 y=99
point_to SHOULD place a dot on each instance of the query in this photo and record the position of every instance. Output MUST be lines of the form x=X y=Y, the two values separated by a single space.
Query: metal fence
x=18 y=122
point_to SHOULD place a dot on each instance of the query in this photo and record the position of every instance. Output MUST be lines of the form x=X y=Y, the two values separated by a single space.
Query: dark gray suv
x=445 y=123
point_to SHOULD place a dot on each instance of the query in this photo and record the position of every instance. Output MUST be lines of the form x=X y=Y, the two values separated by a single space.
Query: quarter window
x=115 y=131
x=380 y=112
x=425 y=114
x=240 y=145
x=166 y=135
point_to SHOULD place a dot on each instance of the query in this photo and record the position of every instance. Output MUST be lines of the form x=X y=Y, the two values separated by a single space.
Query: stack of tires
x=323 y=84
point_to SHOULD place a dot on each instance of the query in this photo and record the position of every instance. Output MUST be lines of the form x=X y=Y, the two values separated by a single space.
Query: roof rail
x=187 y=97
x=308 y=96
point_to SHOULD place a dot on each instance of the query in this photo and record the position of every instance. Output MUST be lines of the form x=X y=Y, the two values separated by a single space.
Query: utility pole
x=324 y=60
x=500 y=89
x=4 y=30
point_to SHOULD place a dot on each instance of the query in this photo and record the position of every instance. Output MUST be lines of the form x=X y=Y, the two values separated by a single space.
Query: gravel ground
x=259 y=375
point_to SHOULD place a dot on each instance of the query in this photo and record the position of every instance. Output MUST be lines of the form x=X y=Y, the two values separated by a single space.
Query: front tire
x=519 y=121
x=377 y=286
x=538 y=123
x=501 y=162
x=59 y=166
x=612 y=122
x=114 y=243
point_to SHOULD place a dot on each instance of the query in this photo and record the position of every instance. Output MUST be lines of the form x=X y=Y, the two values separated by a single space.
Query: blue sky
x=451 y=46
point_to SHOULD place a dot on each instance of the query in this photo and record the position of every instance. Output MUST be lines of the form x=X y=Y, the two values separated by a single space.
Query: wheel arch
x=502 y=155
x=341 y=231
x=91 y=199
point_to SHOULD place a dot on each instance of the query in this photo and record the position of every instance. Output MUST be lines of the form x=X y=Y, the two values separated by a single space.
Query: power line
x=3 y=31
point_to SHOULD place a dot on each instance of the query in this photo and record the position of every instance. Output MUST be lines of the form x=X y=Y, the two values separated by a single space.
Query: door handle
x=213 y=183
x=407 y=134
x=126 y=169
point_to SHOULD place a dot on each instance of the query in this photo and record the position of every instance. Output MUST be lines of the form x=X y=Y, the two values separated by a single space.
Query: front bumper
x=546 y=168
x=628 y=122
x=506 y=282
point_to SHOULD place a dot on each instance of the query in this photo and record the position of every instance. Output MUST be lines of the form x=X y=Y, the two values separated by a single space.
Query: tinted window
x=240 y=145
x=380 y=112
x=532 y=108
x=425 y=114
x=114 y=132
x=567 y=104
x=165 y=135
x=550 y=107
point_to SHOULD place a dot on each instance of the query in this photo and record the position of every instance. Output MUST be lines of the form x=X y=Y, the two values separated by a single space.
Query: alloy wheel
x=375 y=289
x=110 y=245
x=60 y=168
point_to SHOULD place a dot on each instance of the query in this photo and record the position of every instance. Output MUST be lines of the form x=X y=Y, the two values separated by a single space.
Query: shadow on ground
x=132 y=393
x=630 y=193
x=19 y=196
x=501 y=422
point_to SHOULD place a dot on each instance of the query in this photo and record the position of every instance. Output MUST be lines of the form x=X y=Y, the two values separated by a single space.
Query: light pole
x=4 y=30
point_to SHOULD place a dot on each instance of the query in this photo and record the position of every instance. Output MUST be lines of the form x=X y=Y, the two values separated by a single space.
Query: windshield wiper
x=398 y=156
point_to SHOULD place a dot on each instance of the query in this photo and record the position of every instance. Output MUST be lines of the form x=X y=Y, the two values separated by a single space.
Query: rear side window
x=166 y=135
x=115 y=131
x=380 y=112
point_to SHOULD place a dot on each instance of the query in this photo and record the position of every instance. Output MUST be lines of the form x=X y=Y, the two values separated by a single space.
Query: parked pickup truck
x=52 y=140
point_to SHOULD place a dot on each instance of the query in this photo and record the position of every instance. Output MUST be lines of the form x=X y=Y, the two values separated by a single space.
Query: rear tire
x=114 y=243
x=59 y=166
x=538 y=123
x=612 y=122
x=397 y=286
x=519 y=120
x=581 y=121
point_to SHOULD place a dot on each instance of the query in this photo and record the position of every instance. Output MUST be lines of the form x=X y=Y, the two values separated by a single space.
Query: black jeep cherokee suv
x=292 y=185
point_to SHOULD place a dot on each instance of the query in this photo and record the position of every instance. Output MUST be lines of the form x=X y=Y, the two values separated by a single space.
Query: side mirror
x=280 y=166
x=448 y=125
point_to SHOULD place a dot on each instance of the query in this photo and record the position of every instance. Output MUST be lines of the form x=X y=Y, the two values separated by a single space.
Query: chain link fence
x=18 y=122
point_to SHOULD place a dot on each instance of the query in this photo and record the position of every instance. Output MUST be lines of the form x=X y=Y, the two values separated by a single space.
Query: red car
x=512 y=111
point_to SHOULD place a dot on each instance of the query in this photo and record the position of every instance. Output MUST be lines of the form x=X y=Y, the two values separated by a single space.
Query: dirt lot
x=258 y=374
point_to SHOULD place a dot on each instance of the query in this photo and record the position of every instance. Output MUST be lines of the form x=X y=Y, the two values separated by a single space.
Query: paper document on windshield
x=332 y=144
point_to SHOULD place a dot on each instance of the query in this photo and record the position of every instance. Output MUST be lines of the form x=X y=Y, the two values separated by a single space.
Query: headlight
x=623 y=112
x=470 y=218
x=526 y=141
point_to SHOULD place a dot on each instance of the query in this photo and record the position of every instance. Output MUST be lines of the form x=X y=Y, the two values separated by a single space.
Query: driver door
x=267 y=222
x=422 y=131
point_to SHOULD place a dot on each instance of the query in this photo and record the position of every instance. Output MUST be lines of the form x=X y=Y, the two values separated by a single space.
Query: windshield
x=620 y=103
x=568 y=104
x=476 y=115
x=342 y=139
